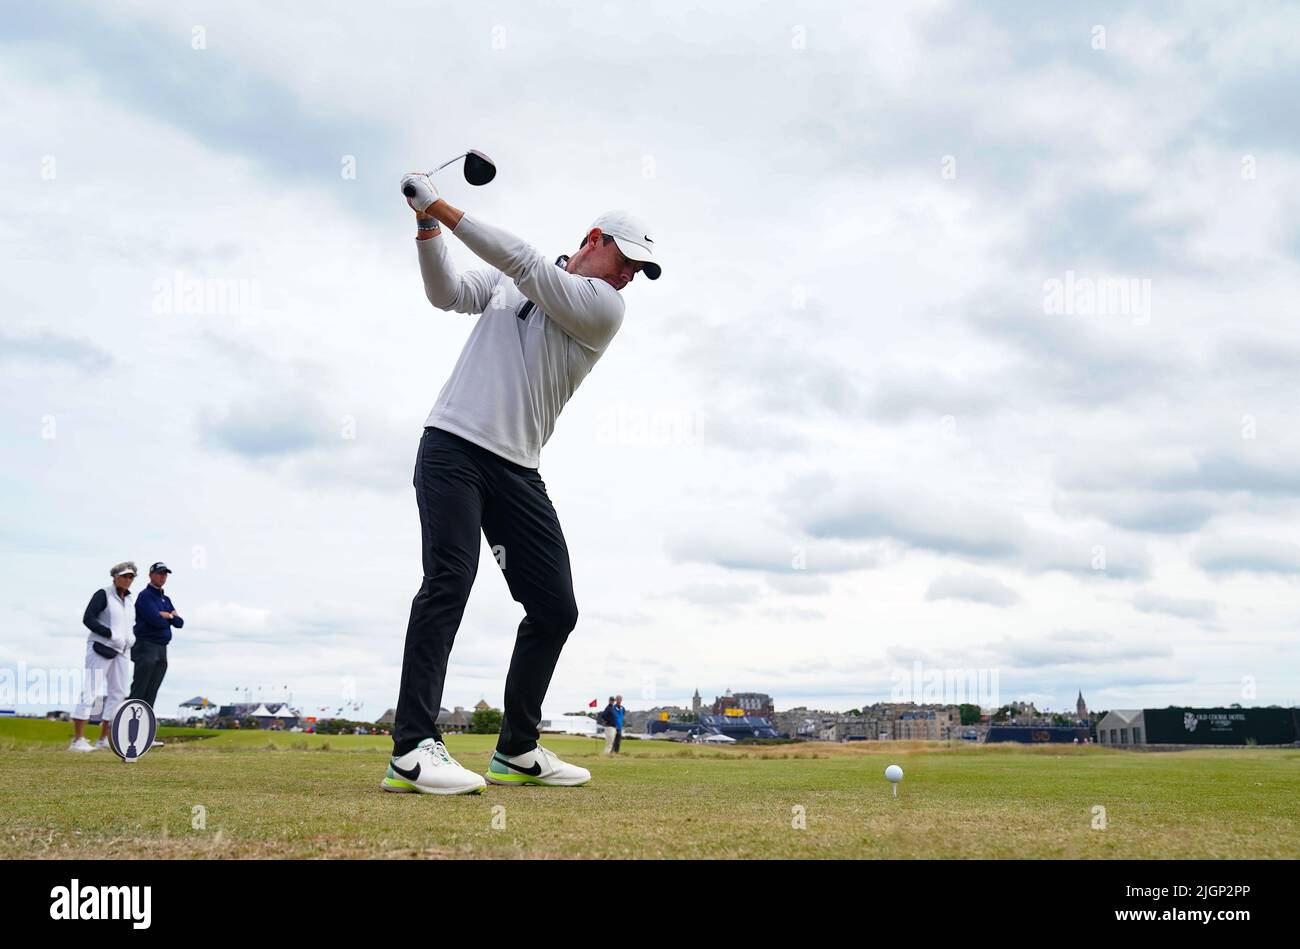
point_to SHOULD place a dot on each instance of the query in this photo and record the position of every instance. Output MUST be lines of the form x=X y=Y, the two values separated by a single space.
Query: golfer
x=542 y=328
x=109 y=616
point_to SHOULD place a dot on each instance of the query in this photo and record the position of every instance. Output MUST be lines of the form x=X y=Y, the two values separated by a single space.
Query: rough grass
x=21 y=732
x=293 y=795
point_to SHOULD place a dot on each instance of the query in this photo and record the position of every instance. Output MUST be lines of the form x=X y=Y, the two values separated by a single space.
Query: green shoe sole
x=515 y=780
x=510 y=778
x=398 y=786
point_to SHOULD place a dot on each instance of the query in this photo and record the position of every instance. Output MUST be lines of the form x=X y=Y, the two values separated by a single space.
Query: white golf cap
x=632 y=237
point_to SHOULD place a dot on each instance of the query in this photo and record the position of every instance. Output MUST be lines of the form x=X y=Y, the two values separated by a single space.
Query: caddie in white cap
x=110 y=617
x=540 y=327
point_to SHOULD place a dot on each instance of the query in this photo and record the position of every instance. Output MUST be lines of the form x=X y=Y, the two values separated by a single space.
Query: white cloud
x=972 y=587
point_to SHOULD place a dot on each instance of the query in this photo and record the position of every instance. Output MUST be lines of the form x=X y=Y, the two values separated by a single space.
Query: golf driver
x=479 y=169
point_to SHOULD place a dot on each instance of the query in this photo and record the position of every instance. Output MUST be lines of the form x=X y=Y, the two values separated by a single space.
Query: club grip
x=409 y=191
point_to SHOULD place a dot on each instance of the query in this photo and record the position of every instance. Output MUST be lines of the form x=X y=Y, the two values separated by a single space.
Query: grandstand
x=678 y=730
x=1038 y=734
x=737 y=727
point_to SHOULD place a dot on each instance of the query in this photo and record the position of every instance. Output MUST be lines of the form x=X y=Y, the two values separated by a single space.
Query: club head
x=479 y=169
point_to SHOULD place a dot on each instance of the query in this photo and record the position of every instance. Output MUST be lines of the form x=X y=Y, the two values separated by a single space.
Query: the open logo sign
x=133 y=730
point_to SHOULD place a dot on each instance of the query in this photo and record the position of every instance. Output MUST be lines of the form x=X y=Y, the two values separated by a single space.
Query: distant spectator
x=606 y=718
x=619 y=713
x=109 y=616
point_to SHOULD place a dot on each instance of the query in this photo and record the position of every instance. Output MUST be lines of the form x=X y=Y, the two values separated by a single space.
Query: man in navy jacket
x=619 y=713
x=154 y=618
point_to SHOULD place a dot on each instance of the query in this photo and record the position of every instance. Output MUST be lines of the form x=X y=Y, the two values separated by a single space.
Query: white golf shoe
x=538 y=766
x=80 y=745
x=103 y=745
x=428 y=769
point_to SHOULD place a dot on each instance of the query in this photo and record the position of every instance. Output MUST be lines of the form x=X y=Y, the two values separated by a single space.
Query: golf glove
x=424 y=191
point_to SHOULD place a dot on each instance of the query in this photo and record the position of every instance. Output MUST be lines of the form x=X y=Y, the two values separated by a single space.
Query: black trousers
x=461 y=489
x=150 y=666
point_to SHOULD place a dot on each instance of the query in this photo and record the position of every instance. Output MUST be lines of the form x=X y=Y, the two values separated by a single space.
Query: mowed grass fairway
x=290 y=795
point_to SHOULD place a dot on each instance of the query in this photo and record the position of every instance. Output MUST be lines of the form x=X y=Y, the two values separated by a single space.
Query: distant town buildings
x=755 y=714
x=455 y=722
x=742 y=703
x=883 y=721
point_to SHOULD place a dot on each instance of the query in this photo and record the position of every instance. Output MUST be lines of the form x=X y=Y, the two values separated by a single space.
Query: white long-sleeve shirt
x=515 y=374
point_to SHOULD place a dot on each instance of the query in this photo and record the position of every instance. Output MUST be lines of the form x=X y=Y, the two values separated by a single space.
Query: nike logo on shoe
x=532 y=772
x=410 y=775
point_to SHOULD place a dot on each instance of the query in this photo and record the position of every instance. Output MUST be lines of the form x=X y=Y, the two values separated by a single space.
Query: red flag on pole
x=591 y=704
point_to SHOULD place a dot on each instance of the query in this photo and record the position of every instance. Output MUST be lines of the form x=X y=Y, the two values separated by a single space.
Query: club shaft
x=410 y=192
x=448 y=162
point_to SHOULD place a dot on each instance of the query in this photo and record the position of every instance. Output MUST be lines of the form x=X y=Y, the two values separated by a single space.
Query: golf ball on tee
x=894 y=773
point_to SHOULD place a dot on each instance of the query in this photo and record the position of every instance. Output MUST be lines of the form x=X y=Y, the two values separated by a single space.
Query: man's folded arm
x=148 y=610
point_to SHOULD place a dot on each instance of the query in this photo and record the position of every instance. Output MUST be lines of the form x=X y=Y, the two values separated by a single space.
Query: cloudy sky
x=975 y=345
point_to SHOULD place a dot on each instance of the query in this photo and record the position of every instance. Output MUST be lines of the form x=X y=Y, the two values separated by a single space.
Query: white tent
x=286 y=712
x=571 y=725
x=262 y=712
x=718 y=739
